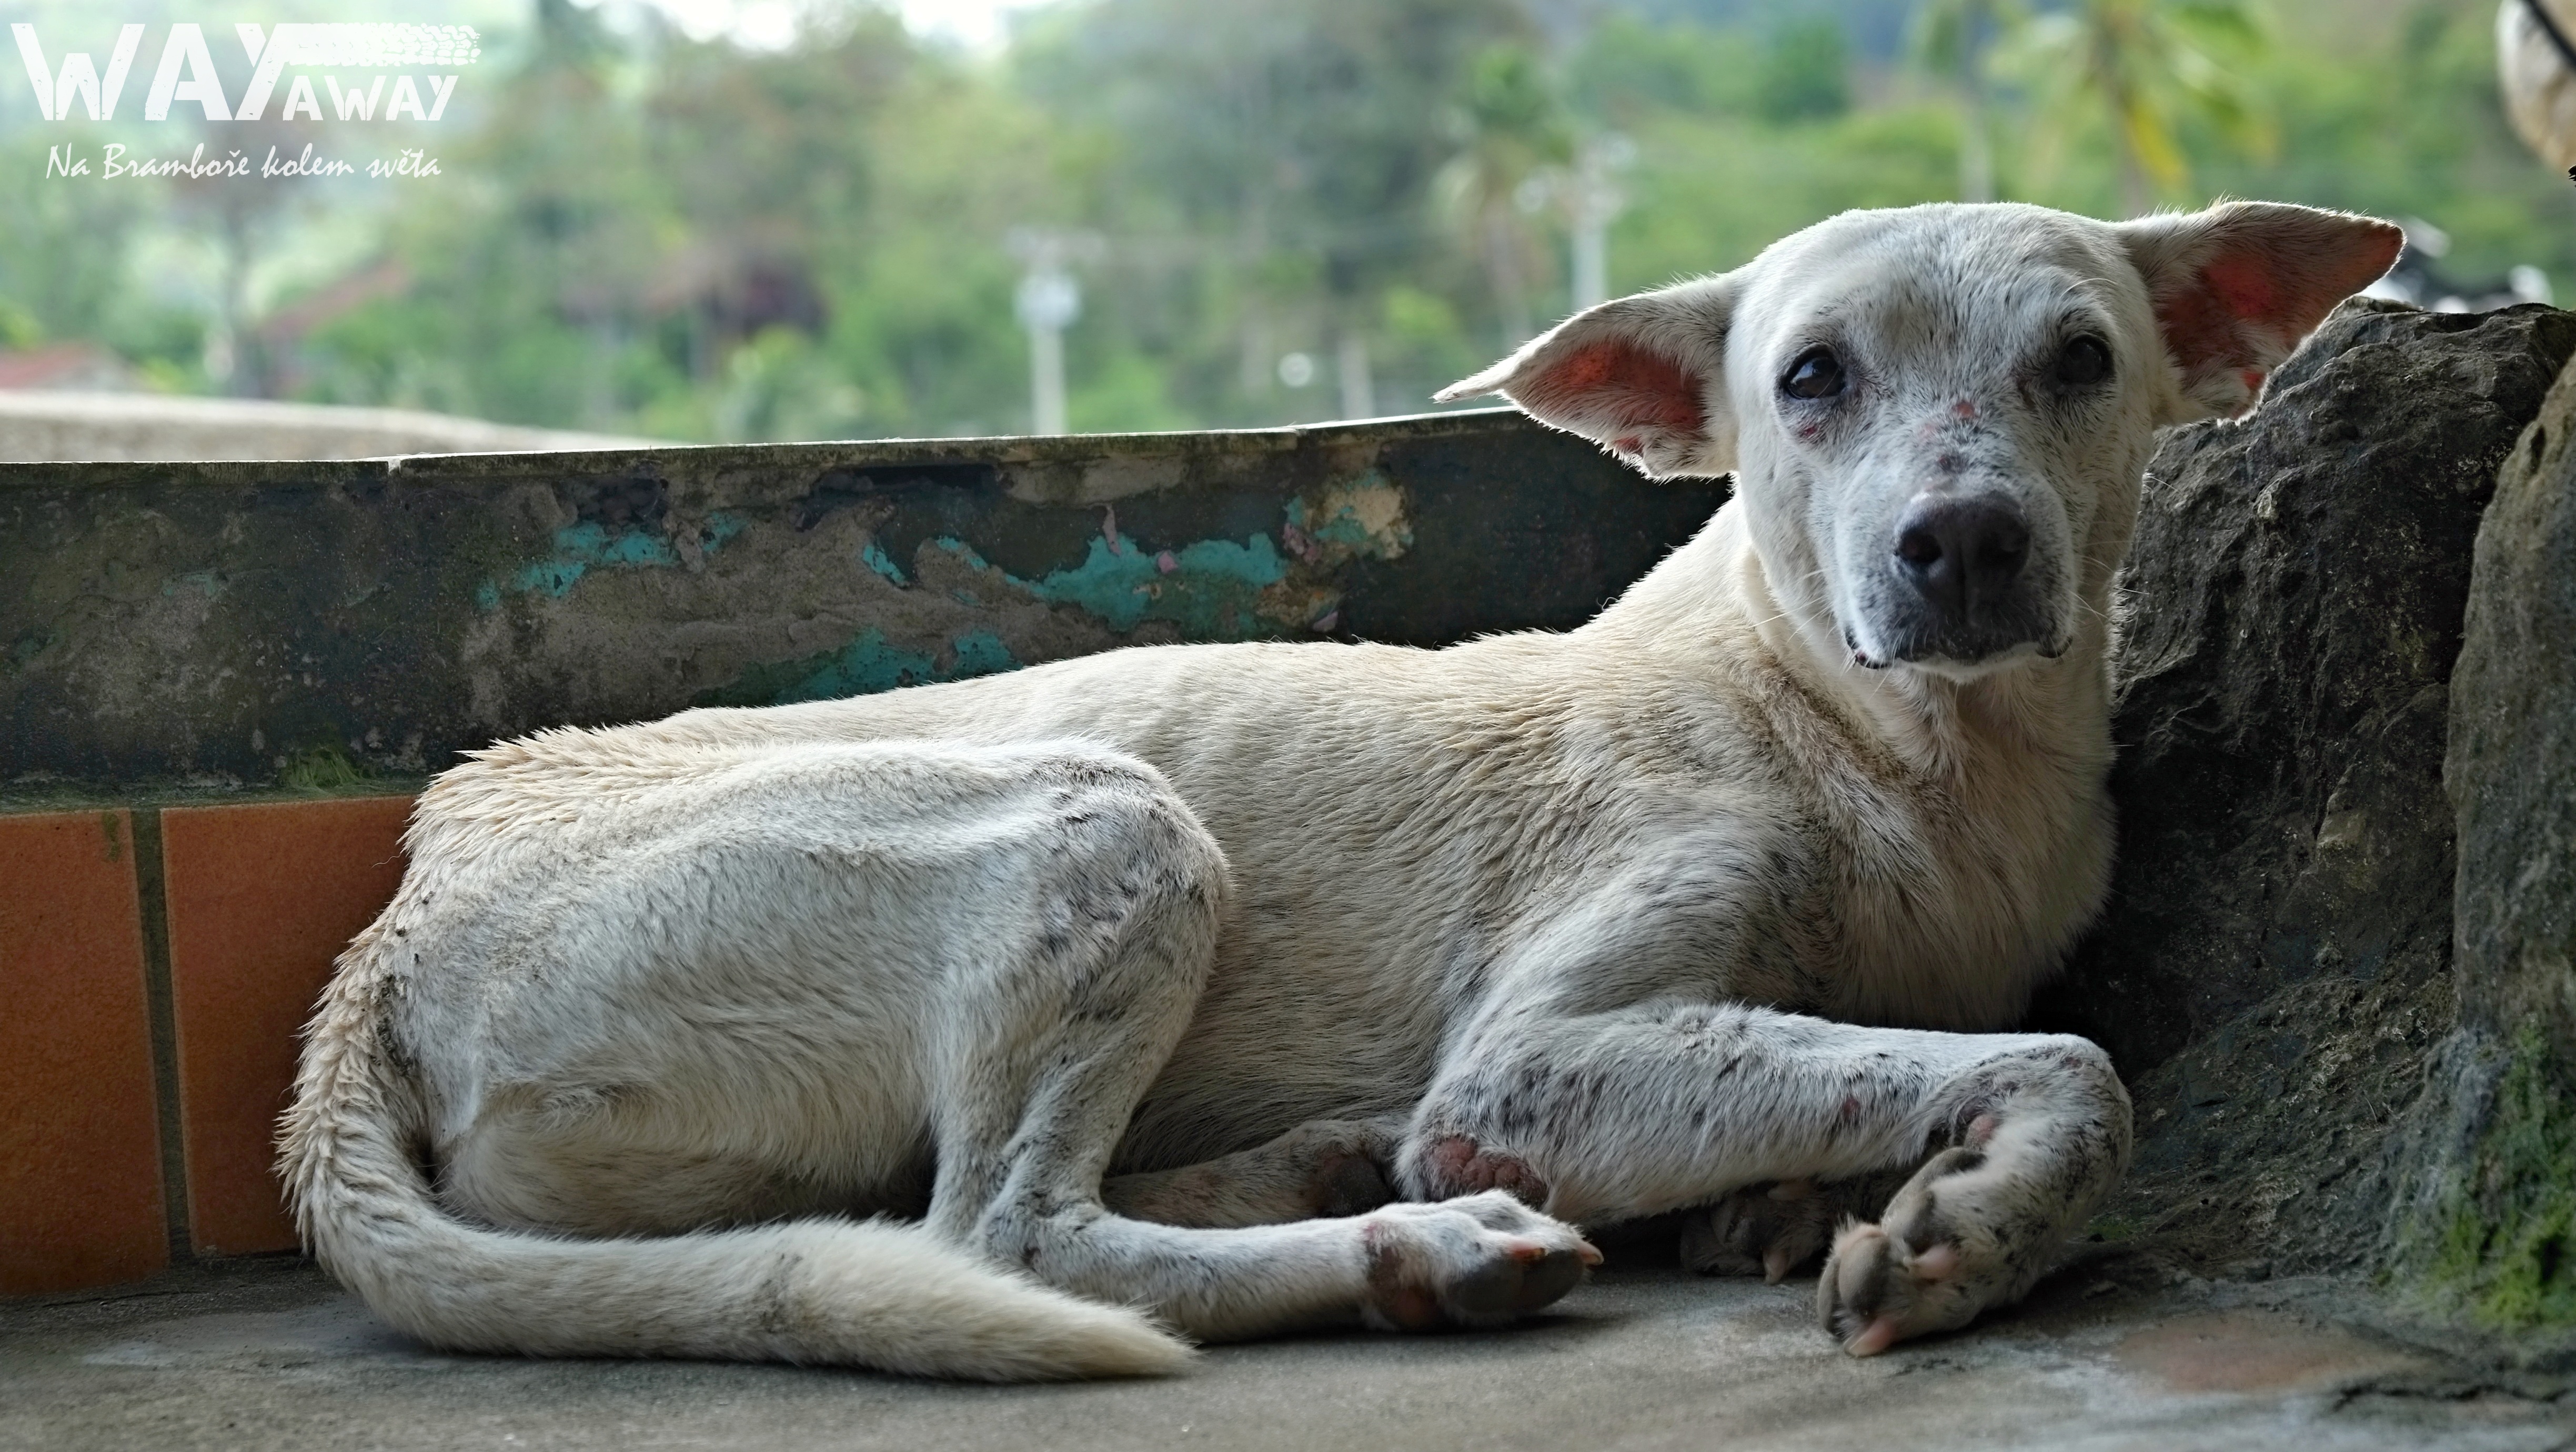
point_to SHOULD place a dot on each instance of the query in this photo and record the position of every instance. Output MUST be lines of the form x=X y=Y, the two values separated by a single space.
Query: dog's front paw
x=1952 y=1243
x=2046 y=1136
x=1763 y=1230
x=1480 y=1260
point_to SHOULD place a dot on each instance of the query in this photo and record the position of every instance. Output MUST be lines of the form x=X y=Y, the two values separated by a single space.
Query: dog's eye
x=1816 y=373
x=2083 y=362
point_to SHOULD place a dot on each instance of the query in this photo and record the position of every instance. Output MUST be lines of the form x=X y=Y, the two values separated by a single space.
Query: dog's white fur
x=1589 y=921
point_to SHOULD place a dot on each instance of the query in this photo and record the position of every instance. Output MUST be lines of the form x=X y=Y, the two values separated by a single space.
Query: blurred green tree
x=1950 y=38
x=1806 y=71
x=1513 y=135
x=640 y=232
x=1291 y=144
x=66 y=250
x=2142 y=68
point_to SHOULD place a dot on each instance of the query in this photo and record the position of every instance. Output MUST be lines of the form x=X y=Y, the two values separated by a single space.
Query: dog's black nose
x=1961 y=553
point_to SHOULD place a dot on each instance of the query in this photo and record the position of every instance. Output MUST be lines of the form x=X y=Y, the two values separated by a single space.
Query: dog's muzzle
x=1966 y=587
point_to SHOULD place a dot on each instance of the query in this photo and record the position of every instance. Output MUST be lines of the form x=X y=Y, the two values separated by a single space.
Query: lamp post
x=1047 y=301
x=1594 y=200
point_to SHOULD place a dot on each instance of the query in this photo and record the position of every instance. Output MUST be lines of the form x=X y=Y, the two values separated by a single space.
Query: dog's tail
x=894 y=1297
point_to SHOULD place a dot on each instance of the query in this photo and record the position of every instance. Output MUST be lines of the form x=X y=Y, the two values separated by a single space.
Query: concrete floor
x=270 y=1355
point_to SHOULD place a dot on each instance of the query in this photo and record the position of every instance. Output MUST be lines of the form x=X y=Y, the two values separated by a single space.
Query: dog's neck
x=1718 y=593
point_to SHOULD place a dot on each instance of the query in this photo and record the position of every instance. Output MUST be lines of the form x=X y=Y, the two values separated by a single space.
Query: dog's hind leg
x=1330 y=1167
x=1052 y=1041
x=1773 y=1227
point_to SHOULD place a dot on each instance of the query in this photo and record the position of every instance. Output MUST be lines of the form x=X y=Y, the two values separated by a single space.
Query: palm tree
x=1951 y=38
x=2143 y=66
x=1512 y=137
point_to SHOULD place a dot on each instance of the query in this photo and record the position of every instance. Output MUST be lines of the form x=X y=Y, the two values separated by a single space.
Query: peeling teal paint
x=580 y=547
x=1360 y=518
x=865 y=666
x=588 y=541
x=577 y=548
x=1210 y=589
x=1210 y=594
x=553 y=577
x=964 y=551
x=873 y=556
x=982 y=653
x=1346 y=527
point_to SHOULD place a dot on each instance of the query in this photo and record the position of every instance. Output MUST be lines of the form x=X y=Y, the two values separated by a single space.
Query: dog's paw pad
x=1514 y=1286
x=1479 y=1261
x=1458 y=1166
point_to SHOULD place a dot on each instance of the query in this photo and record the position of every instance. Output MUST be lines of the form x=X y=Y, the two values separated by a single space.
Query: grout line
x=151 y=883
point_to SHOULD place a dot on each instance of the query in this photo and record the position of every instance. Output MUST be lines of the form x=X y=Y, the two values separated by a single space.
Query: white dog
x=1119 y=973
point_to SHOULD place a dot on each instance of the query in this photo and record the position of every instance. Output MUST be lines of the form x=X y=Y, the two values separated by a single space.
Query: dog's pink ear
x=1641 y=376
x=2236 y=287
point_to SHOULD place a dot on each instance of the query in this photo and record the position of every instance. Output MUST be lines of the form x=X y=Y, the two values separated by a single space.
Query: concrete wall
x=169 y=631
x=77 y=426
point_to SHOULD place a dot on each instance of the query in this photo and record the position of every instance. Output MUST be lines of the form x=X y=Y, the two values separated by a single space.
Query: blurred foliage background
x=783 y=219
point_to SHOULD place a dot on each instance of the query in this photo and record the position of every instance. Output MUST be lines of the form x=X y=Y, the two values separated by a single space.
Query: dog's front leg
x=1607 y=1116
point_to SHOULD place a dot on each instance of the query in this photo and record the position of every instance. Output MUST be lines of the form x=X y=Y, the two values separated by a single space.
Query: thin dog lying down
x=1212 y=991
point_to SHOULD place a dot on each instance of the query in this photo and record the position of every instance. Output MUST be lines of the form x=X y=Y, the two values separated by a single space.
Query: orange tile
x=80 y=1147
x=261 y=898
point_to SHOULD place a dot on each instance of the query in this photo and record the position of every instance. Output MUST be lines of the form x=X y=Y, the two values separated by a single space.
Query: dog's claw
x=1777 y=1262
x=1873 y=1338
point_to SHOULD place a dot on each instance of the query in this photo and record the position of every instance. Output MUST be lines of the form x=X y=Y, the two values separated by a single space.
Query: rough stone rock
x=2487 y=1223
x=2272 y=970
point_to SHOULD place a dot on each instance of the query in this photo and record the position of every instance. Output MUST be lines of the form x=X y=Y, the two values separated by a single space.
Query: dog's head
x=1938 y=416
